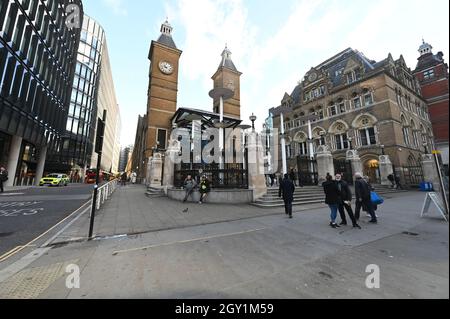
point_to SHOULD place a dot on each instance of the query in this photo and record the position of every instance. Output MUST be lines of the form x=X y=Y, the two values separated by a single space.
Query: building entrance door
x=372 y=170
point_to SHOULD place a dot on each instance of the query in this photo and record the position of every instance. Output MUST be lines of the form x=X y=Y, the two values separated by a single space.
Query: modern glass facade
x=77 y=146
x=37 y=63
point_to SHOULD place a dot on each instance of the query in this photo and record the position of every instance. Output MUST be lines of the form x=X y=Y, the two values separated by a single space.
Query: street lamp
x=382 y=150
x=253 y=119
x=350 y=142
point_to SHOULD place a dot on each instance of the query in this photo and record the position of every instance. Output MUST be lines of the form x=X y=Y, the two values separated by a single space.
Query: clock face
x=166 y=67
x=312 y=77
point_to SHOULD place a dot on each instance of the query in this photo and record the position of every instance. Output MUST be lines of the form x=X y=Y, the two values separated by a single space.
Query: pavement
x=154 y=248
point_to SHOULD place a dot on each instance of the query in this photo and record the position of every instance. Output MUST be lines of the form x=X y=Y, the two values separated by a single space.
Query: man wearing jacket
x=345 y=201
x=287 y=189
x=3 y=178
x=363 y=198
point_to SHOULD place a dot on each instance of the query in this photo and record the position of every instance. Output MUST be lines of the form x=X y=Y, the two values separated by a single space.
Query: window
x=368 y=137
x=341 y=141
x=341 y=106
x=351 y=78
x=368 y=99
x=303 y=148
x=427 y=75
x=333 y=110
x=162 y=137
x=357 y=102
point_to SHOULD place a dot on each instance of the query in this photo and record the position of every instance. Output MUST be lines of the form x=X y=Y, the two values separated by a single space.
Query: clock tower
x=227 y=76
x=163 y=89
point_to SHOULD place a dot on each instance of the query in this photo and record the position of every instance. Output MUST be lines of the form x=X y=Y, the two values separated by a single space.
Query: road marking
x=188 y=241
x=12 y=194
x=20 y=248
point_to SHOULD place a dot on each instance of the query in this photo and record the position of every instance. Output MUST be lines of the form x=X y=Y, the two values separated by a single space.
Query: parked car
x=55 y=180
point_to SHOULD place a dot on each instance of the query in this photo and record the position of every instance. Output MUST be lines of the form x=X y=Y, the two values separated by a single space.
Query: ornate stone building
x=355 y=103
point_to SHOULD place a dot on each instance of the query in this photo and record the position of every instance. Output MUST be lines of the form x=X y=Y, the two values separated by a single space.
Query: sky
x=274 y=43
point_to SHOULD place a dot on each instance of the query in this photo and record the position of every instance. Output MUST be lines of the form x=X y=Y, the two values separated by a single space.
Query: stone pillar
x=40 y=165
x=430 y=171
x=355 y=161
x=155 y=175
x=169 y=164
x=13 y=160
x=325 y=164
x=256 y=170
x=386 y=169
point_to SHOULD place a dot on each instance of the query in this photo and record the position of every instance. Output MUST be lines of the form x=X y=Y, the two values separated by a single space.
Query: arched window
x=339 y=132
x=367 y=135
x=415 y=134
x=405 y=130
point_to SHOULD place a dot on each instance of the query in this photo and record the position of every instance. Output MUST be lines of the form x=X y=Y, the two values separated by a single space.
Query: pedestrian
x=398 y=182
x=287 y=190
x=332 y=198
x=293 y=177
x=300 y=179
x=272 y=180
x=124 y=179
x=364 y=198
x=392 y=180
x=3 y=178
x=189 y=187
x=205 y=189
x=345 y=202
x=133 y=178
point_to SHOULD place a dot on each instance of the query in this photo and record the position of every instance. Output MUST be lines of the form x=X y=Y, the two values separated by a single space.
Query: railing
x=104 y=193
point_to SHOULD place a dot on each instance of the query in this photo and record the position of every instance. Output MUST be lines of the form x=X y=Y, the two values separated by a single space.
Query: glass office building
x=77 y=146
x=38 y=53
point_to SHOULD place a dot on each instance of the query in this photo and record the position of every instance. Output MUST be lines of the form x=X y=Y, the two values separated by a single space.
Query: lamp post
x=253 y=119
x=283 y=145
x=383 y=152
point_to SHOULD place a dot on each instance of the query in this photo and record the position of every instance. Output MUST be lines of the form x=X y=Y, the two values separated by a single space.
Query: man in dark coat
x=345 y=201
x=287 y=190
x=293 y=177
x=332 y=198
x=3 y=177
x=363 y=198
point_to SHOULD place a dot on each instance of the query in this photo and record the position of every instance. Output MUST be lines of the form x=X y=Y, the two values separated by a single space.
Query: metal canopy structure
x=184 y=117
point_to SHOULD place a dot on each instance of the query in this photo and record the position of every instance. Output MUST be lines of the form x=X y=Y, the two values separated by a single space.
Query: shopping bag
x=376 y=199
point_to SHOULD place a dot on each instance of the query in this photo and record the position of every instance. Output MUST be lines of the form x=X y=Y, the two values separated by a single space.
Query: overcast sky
x=274 y=43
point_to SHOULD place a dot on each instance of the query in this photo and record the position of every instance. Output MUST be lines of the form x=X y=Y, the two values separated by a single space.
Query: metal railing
x=104 y=193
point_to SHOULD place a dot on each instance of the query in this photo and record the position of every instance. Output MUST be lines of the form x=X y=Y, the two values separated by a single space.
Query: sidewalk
x=257 y=257
x=130 y=212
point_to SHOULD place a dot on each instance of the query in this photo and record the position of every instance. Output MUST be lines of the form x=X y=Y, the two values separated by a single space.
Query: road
x=26 y=214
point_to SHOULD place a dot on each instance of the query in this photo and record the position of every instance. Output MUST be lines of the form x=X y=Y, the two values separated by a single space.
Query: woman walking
x=332 y=199
x=205 y=189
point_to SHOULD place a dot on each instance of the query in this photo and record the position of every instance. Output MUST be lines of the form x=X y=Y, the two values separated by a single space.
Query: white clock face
x=166 y=67
x=312 y=77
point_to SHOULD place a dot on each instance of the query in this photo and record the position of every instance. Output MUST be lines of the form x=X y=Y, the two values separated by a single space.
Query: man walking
x=189 y=186
x=363 y=198
x=345 y=201
x=293 y=177
x=287 y=189
x=3 y=178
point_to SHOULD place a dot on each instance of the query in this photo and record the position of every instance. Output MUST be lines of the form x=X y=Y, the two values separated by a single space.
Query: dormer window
x=351 y=77
x=428 y=75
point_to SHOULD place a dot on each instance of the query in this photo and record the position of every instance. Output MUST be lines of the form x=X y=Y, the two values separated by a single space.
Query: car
x=55 y=180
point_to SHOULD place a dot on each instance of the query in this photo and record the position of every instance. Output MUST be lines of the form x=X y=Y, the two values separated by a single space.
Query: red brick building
x=432 y=74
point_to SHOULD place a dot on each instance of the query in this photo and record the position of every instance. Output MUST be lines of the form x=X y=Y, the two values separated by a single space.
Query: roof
x=167 y=40
x=429 y=60
x=226 y=61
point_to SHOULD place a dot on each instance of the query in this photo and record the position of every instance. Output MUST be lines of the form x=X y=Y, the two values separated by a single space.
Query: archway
x=371 y=167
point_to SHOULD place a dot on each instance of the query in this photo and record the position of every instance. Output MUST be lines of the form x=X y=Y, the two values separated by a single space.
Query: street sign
x=433 y=198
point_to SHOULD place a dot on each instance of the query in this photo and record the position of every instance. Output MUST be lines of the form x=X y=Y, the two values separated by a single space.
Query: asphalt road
x=26 y=214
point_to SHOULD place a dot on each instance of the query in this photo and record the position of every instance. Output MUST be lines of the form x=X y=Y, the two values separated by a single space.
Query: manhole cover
x=410 y=234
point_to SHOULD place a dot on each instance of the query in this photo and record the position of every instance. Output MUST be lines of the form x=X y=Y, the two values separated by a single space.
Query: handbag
x=376 y=199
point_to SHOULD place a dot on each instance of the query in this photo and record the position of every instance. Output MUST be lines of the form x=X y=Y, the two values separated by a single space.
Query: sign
x=436 y=152
x=433 y=198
